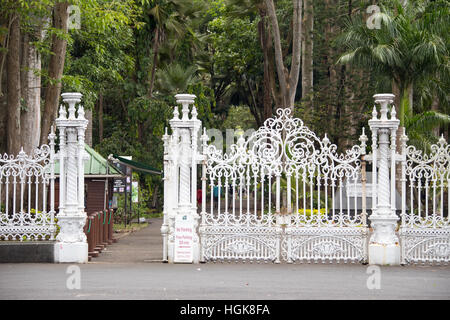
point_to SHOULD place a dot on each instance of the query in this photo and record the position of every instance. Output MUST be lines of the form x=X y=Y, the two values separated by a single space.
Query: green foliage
x=409 y=46
x=174 y=79
x=212 y=48
x=239 y=117
x=420 y=127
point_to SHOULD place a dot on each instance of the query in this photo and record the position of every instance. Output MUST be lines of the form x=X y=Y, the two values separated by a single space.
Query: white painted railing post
x=71 y=243
x=179 y=229
x=384 y=248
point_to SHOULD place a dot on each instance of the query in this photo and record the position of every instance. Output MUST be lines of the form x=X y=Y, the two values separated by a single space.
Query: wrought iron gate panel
x=26 y=194
x=246 y=219
x=425 y=228
x=318 y=244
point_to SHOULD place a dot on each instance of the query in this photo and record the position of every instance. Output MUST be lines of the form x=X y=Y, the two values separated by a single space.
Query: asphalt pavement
x=131 y=269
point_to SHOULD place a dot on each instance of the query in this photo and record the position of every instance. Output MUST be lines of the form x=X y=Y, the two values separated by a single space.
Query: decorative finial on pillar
x=81 y=113
x=384 y=99
x=363 y=139
x=374 y=113
x=165 y=137
x=204 y=138
x=194 y=112
x=176 y=114
x=52 y=135
x=62 y=112
x=71 y=98
x=325 y=140
x=393 y=113
x=442 y=141
x=241 y=140
x=185 y=100
x=404 y=138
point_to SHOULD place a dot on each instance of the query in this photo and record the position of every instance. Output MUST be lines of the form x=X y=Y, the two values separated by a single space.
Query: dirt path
x=144 y=245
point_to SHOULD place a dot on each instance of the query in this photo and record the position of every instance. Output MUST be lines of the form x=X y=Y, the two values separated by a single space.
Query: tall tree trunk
x=435 y=108
x=406 y=102
x=155 y=61
x=31 y=91
x=88 y=116
x=264 y=39
x=287 y=80
x=13 y=140
x=331 y=86
x=294 y=74
x=55 y=70
x=396 y=91
x=410 y=99
x=281 y=70
x=100 y=117
x=307 y=52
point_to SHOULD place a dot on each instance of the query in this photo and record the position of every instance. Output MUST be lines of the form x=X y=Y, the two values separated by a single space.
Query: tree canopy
x=242 y=59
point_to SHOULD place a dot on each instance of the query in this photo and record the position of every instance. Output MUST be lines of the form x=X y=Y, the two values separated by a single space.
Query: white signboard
x=184 y=238
x=356 y=190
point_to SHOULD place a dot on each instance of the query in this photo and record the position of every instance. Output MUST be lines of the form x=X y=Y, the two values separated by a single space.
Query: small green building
x=99 y=177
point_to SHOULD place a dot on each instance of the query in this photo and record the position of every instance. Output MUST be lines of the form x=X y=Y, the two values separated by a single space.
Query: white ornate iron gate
x=280 y=195
x=286 y=195
x=425 y=228
x=27 y=194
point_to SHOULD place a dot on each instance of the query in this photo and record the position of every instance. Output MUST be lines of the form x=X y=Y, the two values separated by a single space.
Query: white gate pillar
x=71 y=243
x=179 y=228
x=384 y=248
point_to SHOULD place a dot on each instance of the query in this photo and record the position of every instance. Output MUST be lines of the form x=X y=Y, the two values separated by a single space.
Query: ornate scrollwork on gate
x=425 y=228
x=282 y=171
x=24 y=194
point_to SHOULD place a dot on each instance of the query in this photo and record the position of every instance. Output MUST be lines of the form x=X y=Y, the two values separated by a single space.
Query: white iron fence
x=284 y=194
x=279 y=195
x=27 y=194
x=425 y=228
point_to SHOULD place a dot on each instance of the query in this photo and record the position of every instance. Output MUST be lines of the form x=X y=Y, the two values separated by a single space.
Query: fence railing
x=99 y=231
x=425 y=227
x=27 y=194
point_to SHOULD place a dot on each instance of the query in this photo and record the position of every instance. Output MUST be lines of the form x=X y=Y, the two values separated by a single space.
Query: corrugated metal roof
x=96 y=165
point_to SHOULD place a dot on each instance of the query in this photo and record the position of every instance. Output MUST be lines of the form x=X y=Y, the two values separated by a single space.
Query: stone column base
x=384 y=254
x=76 y=252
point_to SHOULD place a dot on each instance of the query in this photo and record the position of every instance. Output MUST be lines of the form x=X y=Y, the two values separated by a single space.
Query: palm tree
x=171 y=18
x=174 y=78
x=409 y=46
x=420 y=128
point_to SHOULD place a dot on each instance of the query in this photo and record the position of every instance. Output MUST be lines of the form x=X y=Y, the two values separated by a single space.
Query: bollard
x=105 y=228
x=98 y=246
x=111 y=226
x=100 y=228
x=94 y=233
x=110 y=229
x=86 y=230
x=90 y=237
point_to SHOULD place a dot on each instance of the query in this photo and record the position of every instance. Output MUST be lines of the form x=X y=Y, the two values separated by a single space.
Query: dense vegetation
x=241 y=58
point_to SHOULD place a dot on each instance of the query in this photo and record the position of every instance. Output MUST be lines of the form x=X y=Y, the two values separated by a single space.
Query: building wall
x=94 y=196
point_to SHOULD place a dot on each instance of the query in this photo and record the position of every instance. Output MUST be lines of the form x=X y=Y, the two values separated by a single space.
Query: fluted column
x=185 y=168
x=71 y=243
x=384 y=248
x=383 y=173
x=180 y=164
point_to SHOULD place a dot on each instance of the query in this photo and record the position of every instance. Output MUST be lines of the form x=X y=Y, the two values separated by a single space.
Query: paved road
x=131 y=270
